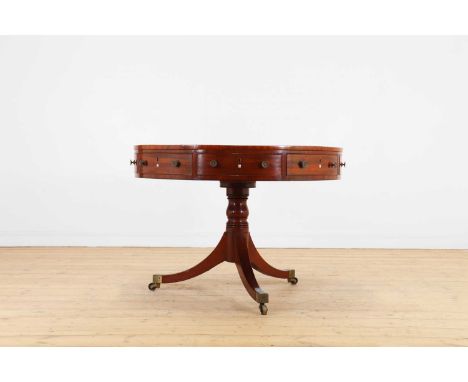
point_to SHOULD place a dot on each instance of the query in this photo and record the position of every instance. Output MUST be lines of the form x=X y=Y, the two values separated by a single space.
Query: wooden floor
x=99 y=297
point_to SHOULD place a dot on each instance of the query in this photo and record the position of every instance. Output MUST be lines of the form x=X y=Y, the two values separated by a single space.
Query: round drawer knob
x=264 y=164
x=213 y=163
x=302 y=164
x=144 y=163
x=332 y=164
x=176 y=163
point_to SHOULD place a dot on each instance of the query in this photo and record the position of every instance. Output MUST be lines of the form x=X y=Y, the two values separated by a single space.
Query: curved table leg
x=216 y=257
x=261 y=265
x=246 y=273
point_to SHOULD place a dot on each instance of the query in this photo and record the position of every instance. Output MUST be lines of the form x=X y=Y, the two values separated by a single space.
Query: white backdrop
x=71 y=109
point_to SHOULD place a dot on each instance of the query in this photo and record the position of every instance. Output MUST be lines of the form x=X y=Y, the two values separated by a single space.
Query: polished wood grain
x=299 y=165
x=345 y=297
x=165 y=164
x=237 y=148
x=223 y=166
x=237 y=163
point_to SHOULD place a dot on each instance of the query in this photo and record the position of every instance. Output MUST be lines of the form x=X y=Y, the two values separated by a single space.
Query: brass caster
x=157 y=279
x=263 y=309
x=293 y=280
x=153 y=286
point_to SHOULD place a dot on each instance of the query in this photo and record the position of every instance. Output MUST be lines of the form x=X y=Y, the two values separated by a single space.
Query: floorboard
x=77 y=296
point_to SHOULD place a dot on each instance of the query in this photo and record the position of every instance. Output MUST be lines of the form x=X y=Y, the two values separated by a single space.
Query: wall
x=71 y=109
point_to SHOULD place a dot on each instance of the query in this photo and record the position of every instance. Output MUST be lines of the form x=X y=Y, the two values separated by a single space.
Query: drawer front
x=154 y=164
x=232 y=165
x=312 y=164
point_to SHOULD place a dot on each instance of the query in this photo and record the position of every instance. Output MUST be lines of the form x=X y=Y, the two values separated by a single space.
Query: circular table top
x=237 y=147
x=238 y=163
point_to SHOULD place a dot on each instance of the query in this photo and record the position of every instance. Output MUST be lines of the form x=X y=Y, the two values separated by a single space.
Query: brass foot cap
x=292 y=279
x=157 y=279
x=261 y=296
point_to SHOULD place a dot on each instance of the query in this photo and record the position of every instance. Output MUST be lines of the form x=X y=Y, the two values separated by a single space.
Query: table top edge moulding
x=237 y=168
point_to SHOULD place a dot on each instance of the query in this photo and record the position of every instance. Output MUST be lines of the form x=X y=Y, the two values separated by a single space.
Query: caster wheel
x=263 y=309
x=293 y=280
x=153 y=286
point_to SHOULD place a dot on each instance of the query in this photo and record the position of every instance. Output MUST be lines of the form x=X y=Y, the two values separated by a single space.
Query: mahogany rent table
x=237 y=168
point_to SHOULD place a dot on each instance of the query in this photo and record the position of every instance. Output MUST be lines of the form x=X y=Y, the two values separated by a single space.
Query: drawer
x=312 y=164
x=231 y=165
x=164 y=164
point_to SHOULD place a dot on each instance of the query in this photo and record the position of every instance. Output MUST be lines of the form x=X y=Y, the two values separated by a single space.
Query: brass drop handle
x=264 y=164
x=132 y=162
x=213 y=163
x=176 y=163
x=302 y=164
x=342 y=164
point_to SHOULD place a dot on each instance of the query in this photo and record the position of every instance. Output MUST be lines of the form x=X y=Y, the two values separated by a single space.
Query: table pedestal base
x=236 y=246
